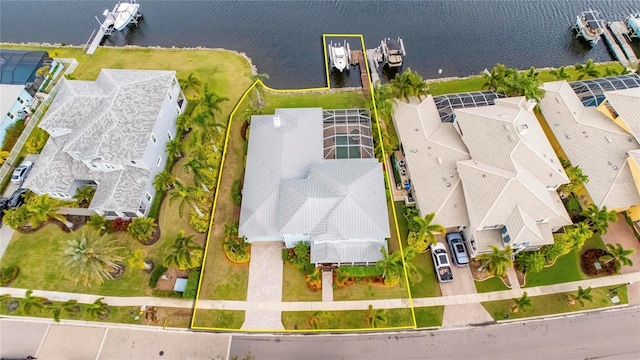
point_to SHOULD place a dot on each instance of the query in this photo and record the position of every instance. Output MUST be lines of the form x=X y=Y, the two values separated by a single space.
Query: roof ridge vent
x=276 y=121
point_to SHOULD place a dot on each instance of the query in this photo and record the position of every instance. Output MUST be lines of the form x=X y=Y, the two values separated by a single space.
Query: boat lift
x=339 y=61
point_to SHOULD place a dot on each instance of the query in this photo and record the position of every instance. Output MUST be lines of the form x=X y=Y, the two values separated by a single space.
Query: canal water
x=284 y=38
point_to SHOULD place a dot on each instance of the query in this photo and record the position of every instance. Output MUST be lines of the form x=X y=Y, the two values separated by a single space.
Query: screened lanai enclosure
x=347 y=134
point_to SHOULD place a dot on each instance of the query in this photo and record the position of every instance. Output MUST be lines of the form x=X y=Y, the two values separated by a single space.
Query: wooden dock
x=373 y=55
x=614 y=47
x=357 y=58
x=620 y=32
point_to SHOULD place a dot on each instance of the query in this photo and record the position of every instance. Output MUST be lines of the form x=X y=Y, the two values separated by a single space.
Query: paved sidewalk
x=513 y=278
x=620 y=232
x=327 y=286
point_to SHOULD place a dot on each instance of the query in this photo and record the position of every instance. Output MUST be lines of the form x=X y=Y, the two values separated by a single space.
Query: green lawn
x=323 y=99
x=370 y=292
x=491 y=284
x=294 y=286
x=344 y=320
x=429 y=316
x=566 y=268
x=476 y=83
x=218 y=319
x=553 y=304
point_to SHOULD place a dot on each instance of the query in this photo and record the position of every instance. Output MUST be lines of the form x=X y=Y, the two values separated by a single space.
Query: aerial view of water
x=284 y=38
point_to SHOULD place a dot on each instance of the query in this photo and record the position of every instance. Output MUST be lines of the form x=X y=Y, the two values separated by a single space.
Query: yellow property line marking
x=387 y=180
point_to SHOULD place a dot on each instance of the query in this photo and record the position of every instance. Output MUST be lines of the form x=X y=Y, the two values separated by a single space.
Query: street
x=603 y=335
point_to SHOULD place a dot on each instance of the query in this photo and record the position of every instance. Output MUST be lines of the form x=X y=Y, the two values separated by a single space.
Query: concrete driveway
x=621 y=233
x=13 y=187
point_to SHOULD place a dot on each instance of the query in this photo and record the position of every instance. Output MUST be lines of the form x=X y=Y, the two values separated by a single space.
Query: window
x=10 y=115
x=147 y=197
x=170 y=96
x=90 y=164
x=169 y=136
x=158 y=161
x=20 y=100
x=109 y=166
x=133 y=162
x=153 y=139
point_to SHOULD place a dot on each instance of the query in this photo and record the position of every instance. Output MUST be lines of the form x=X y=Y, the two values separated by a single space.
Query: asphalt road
x=614 y=334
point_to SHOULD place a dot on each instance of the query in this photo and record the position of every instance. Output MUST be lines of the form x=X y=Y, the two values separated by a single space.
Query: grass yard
x=491 y=284
x=294 y=286
x=218 y=319
x=566 y=268
x=368 y=291
x=323 y=99
x=344 y=320
x=429 y=316
x=39 y=256
x=476 y=83
x=553 y=304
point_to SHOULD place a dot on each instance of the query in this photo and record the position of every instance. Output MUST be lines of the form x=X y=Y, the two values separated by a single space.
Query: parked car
x=441 y=263
x=458 y=251
x=21 y=172
x=17 y=198
x=3 y=206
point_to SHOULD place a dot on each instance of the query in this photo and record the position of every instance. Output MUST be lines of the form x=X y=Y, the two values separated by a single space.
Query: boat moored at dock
x=123 y=14
x=392 y=52
x=340 y=55
x=633 y=23
x=589 y=26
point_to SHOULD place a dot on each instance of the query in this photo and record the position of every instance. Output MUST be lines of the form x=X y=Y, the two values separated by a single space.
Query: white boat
x=123 y=14
x=589 y=26
x=340 y=55
x=633 y=22
x=392 y=52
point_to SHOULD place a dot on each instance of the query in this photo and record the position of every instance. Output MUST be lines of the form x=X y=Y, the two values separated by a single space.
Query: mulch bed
x=478 y=275
x=154 y=239
x=117 y=272
x=77 y=221
x=590 y=257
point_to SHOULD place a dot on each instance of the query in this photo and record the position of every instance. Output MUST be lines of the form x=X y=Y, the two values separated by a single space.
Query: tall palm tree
x=210 y=102
x=532 y=73
x=84 y=194
x=71 y=307
x=207 y=127
x=383 y=102
x=185 y=253
x=495 y=78
x=391 y=264
x=401 y=85
x=497 y=261
x=428 y=230
x=583 y=294
x=619 y=255
x=530 y=262
x=163 y=181
x=376 y=317
x=98 y=309
x=412 y=271
x=577 y=179
x=184 y=123
x=174 y=149
x=191 y=85
x=560 y=74
x=187 y=195
x=29 y=302
x=578 y=234
x=90 y=258
x=201 y=172
x=42 y=208
x=598 y=219
x=420 y=87
x=587 y=70
x=522 y=304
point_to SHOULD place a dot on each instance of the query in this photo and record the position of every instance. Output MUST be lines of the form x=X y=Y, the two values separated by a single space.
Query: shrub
x=410 y=212
x=36 y=142
x=199 y=224
x=155 y=275
x=166 y=294
x=97 y=222
x=9 y=273
x=154 y=210
x=361 y=271
x=119 y=224
x=235 y=192
x=191 y=290
x=12 y=134
x=530 y=262
x=141 y=229
x=551 y=252
x=421 y=246
x=573 y=206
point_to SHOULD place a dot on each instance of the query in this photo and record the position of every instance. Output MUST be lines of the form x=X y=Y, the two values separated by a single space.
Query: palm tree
x=522 y=304
x=142 y=229
x=401 y=85
x=598 y=219
x=619 y=255
x=210 y=102
x=587 y=70
x=191 y=85
x=207 y=127
x=412 y=271
x=230 y=230
x=184 y=123
x=560 y=74
x=391 y=264
x=185 y=253
x=583 y=294
x=420 y=87
x=428 y=230
x=174 y=149
x=578 y=234
x=16 y=217
x=200 y=172
x=260 y=85
x=497 y=261
x=97 y=222
x=84 y=194
x=495 y=78
x=314 y=319
x=163 y=181
x=3 y=156
x=611 y=71
x=42 y=208
x=577 y=180
x=532 y=73
x=530 y=262
x=71 y=307
x=186 y=195
x=29 y=302
x=90 y=258
x=383 y=102
x=98 y=309
x=375 y=317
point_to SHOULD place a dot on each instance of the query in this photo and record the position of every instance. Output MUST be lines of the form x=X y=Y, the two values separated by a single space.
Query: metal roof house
x=608 y=126
x=486 y=169
x=311 y=177
x=110 y=133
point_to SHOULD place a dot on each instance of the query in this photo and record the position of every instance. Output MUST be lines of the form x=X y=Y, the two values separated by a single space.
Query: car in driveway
x=458 y=250
x=21 y=172
x=16 y=199
x=441 y=263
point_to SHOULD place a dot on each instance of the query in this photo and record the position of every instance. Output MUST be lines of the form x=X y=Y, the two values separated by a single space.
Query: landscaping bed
x=345 y=320
x=590 y=258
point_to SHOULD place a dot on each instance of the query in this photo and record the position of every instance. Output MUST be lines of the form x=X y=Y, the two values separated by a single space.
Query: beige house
x=602 y=138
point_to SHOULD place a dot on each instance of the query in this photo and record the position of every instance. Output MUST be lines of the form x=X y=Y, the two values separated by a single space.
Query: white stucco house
x=110 y=133
x=311 y=176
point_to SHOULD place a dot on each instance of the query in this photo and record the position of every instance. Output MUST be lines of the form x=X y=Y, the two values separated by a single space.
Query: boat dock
x=357 y=58
x=619 y=31
x=96 y=37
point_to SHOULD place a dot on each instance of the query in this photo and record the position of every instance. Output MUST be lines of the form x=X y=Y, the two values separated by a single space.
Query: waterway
x=284 y=38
